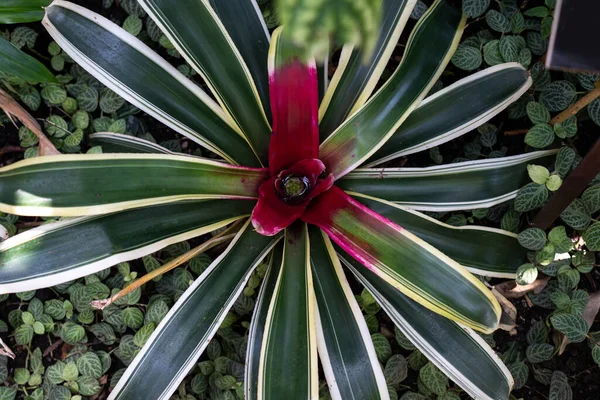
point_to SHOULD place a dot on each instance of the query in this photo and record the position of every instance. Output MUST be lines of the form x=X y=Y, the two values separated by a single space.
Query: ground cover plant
x=116 y=334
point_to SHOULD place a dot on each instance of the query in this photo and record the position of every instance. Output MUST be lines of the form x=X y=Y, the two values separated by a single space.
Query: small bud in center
x=292 y=188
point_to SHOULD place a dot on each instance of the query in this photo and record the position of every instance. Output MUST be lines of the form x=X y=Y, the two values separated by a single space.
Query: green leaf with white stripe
x=345 y=346
x=428 y=51
x=92 y=184
x=354 y=79
x=120 y=143
x=20 y=11
x=456 y=110
x=482 y=250
x=126 y=66
x=289 y=347
x=63 y=251
x=482 y=183
x=213 y=54
x=15 y=62
x=174 y=347
x=259 y=319
x=456 y=350
x=246 y=27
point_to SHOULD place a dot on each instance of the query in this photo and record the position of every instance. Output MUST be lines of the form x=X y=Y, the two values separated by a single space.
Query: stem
x=221 y=238
x=572 y=187
x=575 y=108
x=11 y=149
x=516 y=132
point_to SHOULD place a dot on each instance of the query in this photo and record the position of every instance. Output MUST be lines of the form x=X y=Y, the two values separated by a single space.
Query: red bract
x=297 y=176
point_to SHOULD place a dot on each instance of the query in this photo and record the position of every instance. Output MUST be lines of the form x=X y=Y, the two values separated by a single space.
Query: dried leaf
x=5 y=350
x=511 y=290
x=14 y=109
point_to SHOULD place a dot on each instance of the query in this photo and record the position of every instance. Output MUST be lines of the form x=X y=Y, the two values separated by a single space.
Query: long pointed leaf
x=456 y=350
x=403 y=260
x=354 y=79
x=288 y=363
x=456 y=110
x=482 y=250
x=460 y=186
x=428 y=51
x=15 y=62
x=132 y=70
x=293 y=86
x=246 y=27
x=202 y=40
x=88 y=184
x=20 y=11
x=345 y=346
x=256 y=335
x=62 y=251
x=118 y=143
x=181 y=337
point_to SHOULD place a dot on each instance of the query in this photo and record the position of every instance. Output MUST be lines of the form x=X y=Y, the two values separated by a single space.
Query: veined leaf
x=186 y=330
x=482 y=250
x=354 y=79
x=428 y=51
x=246 y=27
x=482 y=183
x=289 y=346
x=92 y=184
x=213 y=54
x=345 y=346
x=456 y=110
x=456 y=350
x=15 y=62
x=120 y=143
x=405 y=261
x=63 y=251
x=20 y=11
x=126 y=66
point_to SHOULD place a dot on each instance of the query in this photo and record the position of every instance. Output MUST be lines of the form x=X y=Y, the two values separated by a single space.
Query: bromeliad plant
x=311 y=209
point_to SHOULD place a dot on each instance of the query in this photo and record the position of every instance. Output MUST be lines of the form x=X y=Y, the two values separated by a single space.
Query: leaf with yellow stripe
x=406 y=262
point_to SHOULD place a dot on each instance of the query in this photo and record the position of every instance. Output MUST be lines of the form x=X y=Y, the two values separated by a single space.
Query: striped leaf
x=482 y=183
x=293 y=86
x=482 y=250
x=62 y=251
x=136 y=73
x=119 y=143
x=246 y=27
x=256 y=335
x=405 y=261
x=202 y=40
x=288 y=359
x=15 y=62
x=354 y=79
x=456 y=110
x=345 y=346
x=20 y=11
x=89 y=184
x=177 y=343
x=456 y=350
x=428 y=51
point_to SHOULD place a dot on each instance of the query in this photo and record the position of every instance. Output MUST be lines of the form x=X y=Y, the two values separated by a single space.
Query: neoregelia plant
x=290 y=162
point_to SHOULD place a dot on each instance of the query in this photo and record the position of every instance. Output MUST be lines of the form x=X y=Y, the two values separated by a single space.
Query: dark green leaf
x=572 y=326
x=576 y=215
x=558 y=95
x=539 y=352
x=467 y=58
x=540 y=136
x=475 y=8
x=591 y=237
x=538 y=113
x=530 y=197
x=532 y=238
